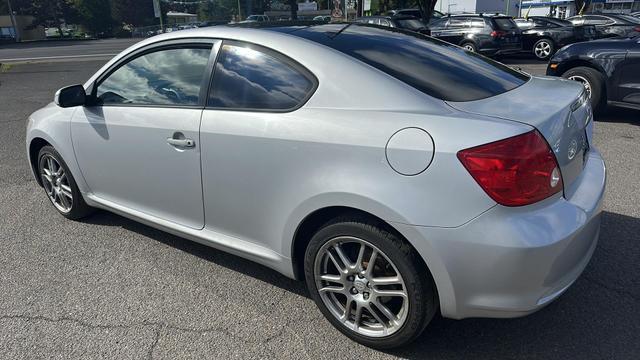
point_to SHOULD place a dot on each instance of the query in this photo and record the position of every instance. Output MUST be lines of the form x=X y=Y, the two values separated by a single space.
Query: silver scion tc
x=397 y=175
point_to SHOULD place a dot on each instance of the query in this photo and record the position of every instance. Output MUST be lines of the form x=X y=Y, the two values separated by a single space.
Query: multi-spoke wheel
x=369 y=283
x=592 y=81
x=543 y=49
x=59 y=184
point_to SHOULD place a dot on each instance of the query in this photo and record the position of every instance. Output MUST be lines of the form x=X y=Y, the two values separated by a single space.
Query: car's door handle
x=180 y=141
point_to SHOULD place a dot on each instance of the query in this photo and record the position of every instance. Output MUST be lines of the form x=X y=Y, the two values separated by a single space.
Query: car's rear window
x=436 y=68
x=505 y=23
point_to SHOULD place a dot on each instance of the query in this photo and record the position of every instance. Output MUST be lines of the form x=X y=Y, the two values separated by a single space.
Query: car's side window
x=477 y=23
x=170 y=76
x=248 y=77
x=458 y=23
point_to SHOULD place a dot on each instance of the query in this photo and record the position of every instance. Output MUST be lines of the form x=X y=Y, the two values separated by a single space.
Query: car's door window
x=457 y=23
x=540 y=24
x=163 y=77
x=597 y=20
x=251 y=77
x=477 y=23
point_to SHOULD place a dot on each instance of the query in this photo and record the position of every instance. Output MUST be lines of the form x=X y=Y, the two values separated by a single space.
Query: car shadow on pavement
x=618 y=115
x=204 y=252
x=595 y=318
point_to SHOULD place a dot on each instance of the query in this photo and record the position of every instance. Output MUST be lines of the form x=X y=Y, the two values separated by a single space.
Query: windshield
x=253 y=17
x=434 y=67
x=411 y=24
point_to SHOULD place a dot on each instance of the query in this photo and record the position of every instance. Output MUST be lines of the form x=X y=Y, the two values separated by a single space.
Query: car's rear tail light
x=498 y=34
x=517 y=171
x=637 y=28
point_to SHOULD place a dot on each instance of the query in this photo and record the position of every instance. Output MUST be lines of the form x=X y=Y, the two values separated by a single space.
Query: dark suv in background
x=609 y=25
x=405 y=22
x=542 y=36
x=489 y=35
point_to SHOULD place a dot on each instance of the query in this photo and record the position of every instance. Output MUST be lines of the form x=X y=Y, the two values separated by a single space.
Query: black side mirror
x=70 y=96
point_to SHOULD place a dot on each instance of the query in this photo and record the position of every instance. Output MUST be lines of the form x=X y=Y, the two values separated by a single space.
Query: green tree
x=51 y=12
x=95 y=15
x=133 y=12
x=217 y=9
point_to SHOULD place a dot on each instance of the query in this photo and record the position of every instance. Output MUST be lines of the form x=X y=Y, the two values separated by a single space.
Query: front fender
x=53 y=125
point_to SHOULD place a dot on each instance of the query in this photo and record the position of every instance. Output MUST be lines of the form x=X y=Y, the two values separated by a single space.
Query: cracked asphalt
x=110 y=288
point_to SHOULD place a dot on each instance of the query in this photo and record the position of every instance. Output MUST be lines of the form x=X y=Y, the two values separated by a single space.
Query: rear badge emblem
x=573 y=149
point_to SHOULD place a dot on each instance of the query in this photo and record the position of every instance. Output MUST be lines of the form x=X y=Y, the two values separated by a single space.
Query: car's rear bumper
x=509 y=262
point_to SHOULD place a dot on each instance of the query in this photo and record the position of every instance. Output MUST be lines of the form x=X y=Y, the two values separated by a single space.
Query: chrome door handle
x=185 y=143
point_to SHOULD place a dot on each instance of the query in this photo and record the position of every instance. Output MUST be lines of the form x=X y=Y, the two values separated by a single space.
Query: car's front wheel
x=592 y=82
x=60 y=186
x=369 y=283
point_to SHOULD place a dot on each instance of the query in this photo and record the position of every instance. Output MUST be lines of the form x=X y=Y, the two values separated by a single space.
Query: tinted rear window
x=505 y=23
x=436 y=68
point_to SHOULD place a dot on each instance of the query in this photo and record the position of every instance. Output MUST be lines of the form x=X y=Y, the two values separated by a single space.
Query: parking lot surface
x=107 y=287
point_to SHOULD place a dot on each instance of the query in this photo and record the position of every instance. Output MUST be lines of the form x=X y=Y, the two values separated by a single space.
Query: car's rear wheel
x=60 y=186
x=543 y=49
x=592 y=82
x=469 y=47
x=369 y=283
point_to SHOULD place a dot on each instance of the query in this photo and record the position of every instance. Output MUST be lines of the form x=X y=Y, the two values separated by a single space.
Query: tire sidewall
x=595 y=81
x=473 y=47
x=421 y=306
x=78 y=207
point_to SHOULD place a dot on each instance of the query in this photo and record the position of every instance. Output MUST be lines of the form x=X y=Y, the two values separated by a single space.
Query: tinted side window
x=164 y=77
x=477 y=22
x=434 y=67
x=249 y=78
x=456 y=23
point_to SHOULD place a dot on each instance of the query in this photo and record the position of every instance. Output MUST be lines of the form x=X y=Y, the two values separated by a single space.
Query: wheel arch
x=564 y=67
x=316 y=219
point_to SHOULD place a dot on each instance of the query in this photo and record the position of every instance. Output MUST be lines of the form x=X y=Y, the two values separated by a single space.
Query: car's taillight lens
x=498 y=34
x=517 y=171
x=637 y=28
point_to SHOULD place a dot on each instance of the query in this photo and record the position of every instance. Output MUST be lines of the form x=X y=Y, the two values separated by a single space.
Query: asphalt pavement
x=107 y=287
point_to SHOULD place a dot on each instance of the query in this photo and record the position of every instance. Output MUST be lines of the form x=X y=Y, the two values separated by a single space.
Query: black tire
x=79 y=207
x=546 y=51
x=594 y=80
x=469 y=46
x=421 y=292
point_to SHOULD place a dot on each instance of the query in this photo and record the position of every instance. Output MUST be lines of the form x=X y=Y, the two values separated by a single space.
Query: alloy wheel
x=56 y=183
x=361 y=286
x=583 y=81
x=542 y=49
x=469 y=47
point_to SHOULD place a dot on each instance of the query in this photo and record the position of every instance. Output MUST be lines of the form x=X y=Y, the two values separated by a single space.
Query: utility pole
x=507 y=12
x=14 y=23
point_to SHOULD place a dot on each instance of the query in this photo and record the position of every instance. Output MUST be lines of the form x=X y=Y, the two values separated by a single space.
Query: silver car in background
x=396 y=174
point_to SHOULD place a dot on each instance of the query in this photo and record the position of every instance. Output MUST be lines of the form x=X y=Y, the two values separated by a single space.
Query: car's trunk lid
x=551 y=106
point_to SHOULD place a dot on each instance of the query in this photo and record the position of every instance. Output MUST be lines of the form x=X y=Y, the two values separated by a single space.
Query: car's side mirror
x=70 y=96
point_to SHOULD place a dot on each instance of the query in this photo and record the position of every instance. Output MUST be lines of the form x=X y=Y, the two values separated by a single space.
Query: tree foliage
x=133 y=12
x=95 y=15
x=217 y=10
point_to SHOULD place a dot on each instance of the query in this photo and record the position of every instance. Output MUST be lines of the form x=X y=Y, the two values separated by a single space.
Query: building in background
x=507 y=7
x=174 y=17
x=565 y=8
x=24 y=29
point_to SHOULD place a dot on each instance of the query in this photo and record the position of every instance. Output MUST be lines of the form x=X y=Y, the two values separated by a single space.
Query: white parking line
x=55 y=57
